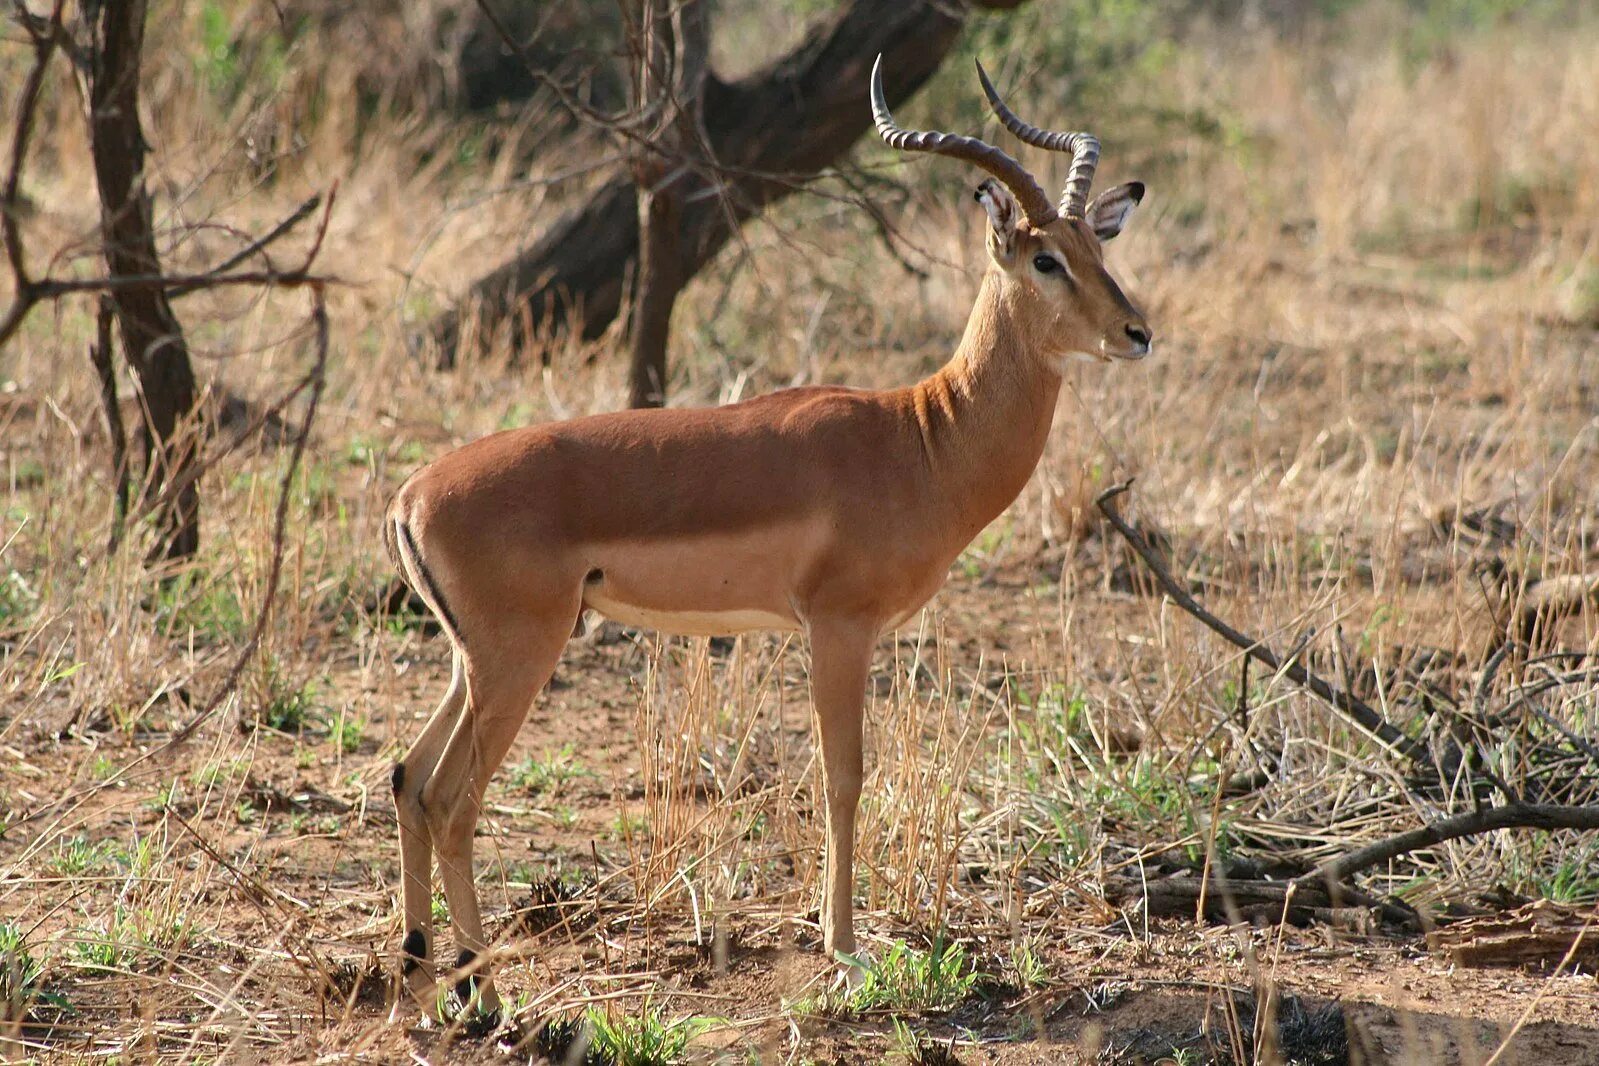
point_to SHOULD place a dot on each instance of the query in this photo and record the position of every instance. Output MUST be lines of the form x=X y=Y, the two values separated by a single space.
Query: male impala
x=830 y=511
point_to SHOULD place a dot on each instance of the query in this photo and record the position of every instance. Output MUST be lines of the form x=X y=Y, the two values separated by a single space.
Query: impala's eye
x=1046 y=264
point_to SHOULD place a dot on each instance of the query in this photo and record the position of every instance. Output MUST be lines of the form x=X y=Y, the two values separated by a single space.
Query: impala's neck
x=985 y=415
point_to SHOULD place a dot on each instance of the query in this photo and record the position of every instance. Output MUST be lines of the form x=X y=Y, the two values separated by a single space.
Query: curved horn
x=1084 y=148
x=1029 y=194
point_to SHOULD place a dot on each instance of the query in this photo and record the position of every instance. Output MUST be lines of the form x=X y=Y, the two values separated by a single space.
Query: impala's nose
x=1140 y=336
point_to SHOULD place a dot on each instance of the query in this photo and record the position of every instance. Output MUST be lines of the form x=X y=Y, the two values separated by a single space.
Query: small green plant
x=217 y=772
x=629 y=825
x=81 y=857
x=285 y=705
x=646 y=1039
x=549 y=775
x=197 y=604
x=347 y=732
x=20 y=974
x=105 y=946
x=17 y=601
x=1574 y=881
x=115 y=944
x=1028 y=966
x=166 y=797
x=906 y=979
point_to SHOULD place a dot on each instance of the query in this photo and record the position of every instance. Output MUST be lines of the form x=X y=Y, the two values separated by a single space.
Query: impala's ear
x=1003 y=214
x=1109 y=211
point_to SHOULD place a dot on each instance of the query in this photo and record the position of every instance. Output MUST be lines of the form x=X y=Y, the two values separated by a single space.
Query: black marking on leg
x=430 y=588
x=466 y=987
x=397 y=779
x=415 y=947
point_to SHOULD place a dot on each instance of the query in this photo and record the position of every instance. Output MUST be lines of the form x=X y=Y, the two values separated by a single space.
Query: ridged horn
x=1029 y=194
x=1084 y=148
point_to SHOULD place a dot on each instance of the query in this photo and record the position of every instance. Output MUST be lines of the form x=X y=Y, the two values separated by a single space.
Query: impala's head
x=1051 y=257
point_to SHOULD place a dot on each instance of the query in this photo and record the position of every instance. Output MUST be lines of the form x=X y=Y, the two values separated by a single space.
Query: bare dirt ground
x=285 y=868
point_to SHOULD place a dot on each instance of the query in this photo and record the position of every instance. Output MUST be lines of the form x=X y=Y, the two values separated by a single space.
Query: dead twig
x=255 y=247
x=317 y=379
x=1356 y=710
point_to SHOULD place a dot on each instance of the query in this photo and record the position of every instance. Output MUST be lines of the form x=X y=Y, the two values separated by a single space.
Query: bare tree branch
x=1354 y=709
x=316 y=380
x=255 y=247
x=44 y=46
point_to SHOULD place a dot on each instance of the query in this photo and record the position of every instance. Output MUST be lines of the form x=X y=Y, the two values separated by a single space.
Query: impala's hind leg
x=416 y=846
x=504 y=673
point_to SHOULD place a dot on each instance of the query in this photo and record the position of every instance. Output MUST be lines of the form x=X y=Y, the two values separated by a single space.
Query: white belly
x=689 y=623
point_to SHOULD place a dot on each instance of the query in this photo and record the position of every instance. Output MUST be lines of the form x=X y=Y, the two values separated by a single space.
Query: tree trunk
x=151 y=335
x=656 y=283
x=670 y=69
x=772 y=131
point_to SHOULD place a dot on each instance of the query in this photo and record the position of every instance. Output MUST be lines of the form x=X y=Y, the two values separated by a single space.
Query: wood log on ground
x=1230 y=900
x=1540 y=934
x=769 y=133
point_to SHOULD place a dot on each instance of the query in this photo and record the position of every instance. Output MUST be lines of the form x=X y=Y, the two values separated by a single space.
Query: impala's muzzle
x=1140 y=341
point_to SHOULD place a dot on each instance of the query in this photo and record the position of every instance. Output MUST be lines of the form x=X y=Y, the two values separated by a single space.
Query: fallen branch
x=1485 y=820
x=1353 y=708
x=1225 y=899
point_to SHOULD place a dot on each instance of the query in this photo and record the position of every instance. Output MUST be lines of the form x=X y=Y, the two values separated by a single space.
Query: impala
x=830 y=511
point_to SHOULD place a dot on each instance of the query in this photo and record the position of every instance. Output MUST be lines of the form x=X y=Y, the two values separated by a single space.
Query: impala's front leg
x=841 y=656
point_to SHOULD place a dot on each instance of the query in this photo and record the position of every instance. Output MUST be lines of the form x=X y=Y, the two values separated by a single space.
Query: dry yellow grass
x=1374 y=277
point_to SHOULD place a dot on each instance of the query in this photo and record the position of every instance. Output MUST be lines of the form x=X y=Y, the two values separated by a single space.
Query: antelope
x=829 y=511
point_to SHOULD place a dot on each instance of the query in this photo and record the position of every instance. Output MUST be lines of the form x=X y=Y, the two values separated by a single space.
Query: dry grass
x=1374 y=276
